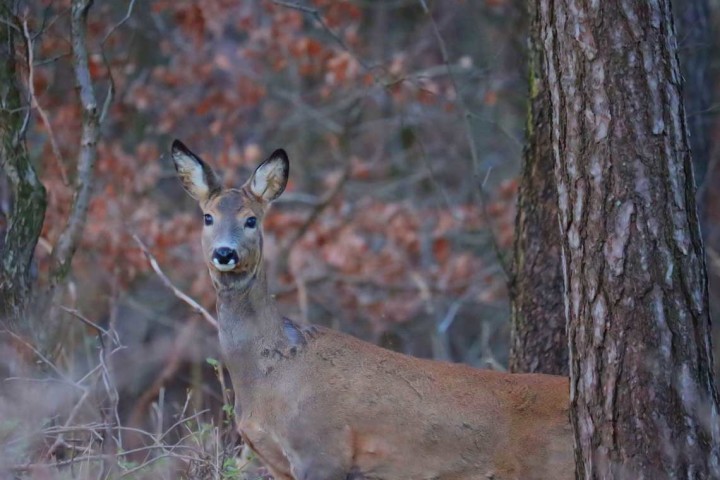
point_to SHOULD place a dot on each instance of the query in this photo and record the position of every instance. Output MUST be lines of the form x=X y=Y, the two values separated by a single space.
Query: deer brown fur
x=316 y=404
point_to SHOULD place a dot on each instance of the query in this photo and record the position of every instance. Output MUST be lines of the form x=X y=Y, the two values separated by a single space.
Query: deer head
x=232 y=234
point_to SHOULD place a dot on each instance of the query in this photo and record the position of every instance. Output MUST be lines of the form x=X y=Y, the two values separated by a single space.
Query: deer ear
x=271 y=177
x=198 y=179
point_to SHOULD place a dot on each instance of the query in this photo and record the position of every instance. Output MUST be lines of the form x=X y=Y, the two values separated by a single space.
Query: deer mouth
x=233 y=268
x=224 y=267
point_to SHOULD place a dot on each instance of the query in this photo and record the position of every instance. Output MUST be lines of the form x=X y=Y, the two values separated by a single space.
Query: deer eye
x=208 y=219
x=251 y=222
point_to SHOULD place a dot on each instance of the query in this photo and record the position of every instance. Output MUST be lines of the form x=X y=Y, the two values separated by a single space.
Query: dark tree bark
x=643 y=399
x=27 y=193
x=538 y=339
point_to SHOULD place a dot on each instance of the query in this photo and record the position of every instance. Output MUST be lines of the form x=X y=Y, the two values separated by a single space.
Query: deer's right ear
x=196 y=176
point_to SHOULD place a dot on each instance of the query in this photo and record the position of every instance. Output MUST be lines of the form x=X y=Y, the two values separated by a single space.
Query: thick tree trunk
x=28 y=194
x=644 y=403
x=538 y=339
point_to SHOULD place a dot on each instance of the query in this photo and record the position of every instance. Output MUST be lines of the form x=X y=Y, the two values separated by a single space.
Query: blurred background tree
x=404 y=123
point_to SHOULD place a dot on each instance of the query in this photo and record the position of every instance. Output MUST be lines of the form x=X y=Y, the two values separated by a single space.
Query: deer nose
x=225 y=256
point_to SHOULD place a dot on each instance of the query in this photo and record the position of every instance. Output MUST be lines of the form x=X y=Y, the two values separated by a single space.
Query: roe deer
x=316 y=404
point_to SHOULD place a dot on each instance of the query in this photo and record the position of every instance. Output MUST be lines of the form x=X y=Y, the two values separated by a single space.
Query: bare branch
x=509 y=275
x=34 y=101
x=315 y=13
x=109 y=96
x=54 y=59
x=10 y=24
x=60 y=440
x=173 y=363
x=317 y=210
x=458 y=94
x=42 y=357
x=127 y=16
x=178 y=293
x=462 y=107
x=84 y=320
x=296 y=6
x=111 y=88
x=431 y=174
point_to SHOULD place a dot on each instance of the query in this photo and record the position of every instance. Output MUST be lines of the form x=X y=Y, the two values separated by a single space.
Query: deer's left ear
x=271 y=177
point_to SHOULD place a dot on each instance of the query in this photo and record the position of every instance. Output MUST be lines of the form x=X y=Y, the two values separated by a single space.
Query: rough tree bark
x=644 y=403
x=538 y=339
x=27 y=192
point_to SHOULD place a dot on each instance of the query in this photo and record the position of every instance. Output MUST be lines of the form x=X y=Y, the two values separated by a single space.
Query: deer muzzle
x=225 y=259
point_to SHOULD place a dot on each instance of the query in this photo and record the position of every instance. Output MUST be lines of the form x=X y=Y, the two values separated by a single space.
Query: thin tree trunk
x=67 y=243
x=538 y=339
x=69 y=239
x=27 y=193
x=643 y=399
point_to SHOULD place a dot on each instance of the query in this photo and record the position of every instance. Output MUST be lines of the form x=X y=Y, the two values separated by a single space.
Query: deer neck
x=246 y=312
x=255 y=339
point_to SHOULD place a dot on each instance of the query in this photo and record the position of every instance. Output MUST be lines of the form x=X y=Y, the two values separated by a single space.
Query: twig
x=10 y=24
x=509 y=275
x=296 y=6
x=487 y=358
x=428 y=167
x=110 y=95
x=315 y=13
x=42 y=357
x=28 y=467
x=120 y=23
x=328 y=198
x=60 y=440
x=458 y=94
x=84 y=320
x=105 y=413
x=54 y=59
x=107 y=376
x=317 y=210
x=440 y=337
x=178 y=293
x=312 y=112
x=34 y=101
x=468 y=133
